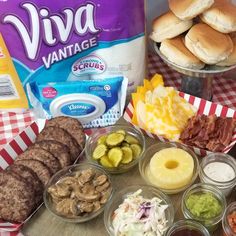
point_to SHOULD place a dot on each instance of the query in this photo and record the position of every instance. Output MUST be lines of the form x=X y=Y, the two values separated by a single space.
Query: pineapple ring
x=171 y=168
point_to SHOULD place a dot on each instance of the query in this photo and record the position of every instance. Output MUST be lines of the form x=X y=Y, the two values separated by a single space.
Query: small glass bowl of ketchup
x=229 y=220
x=187 y=228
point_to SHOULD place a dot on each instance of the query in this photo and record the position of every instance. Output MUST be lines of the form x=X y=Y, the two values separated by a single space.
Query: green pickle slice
x=127 y=155
x=115 y=156
x=104 y=161
x=124 y=144
x=102 y=139
x=121 y=131
x=131 y=140
x=114 y=139
x=99 y=151
x=136 y=149
x=116 y=148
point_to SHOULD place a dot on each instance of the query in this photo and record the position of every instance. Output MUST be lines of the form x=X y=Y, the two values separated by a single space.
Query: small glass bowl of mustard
x=205 y=204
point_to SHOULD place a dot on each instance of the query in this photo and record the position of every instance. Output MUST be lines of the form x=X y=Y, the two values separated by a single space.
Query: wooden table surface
x=43 y=223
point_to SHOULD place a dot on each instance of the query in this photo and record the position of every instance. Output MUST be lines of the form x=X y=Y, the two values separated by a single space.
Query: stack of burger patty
x=22 y=184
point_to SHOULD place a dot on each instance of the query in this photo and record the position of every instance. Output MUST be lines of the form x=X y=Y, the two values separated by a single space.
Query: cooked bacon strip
x=227 y=132
x=192 y=129
x=208 y=132
x=213 y=146
x=211 y=124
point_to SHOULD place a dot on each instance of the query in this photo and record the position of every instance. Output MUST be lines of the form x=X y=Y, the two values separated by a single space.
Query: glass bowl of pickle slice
x=116 y=148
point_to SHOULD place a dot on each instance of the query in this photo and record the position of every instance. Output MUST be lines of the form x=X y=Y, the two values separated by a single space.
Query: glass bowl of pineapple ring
x=116 y=148
x=171 y=167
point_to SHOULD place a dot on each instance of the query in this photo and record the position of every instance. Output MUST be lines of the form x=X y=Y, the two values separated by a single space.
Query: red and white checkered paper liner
x=11 y=124
x=7 y=157
x=5 y=233
x=204 y=107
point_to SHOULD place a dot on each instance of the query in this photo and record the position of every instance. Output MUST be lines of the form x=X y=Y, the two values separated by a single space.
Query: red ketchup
x=232 y=221
x=187 y=232
x=231 y=227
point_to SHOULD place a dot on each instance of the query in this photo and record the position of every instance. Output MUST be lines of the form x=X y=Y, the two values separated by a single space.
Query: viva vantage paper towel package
x=60 y=47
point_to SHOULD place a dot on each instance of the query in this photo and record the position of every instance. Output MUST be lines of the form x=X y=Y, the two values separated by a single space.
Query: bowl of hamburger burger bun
x=197 y=36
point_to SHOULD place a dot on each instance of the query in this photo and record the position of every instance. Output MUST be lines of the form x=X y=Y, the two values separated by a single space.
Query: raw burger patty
x=41 y=170
x=72 y=126
x=16 y=197
x=62 y=136
x=59 y=150
x=30 y=176
x=42 y=155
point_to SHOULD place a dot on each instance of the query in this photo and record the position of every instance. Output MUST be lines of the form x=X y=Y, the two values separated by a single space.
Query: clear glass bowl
x=148 y=192
x=92 y=142
x=225 y=186
x=81 y=156
x=187 y=224
x=212 y=223
x=225 y=224
x=144 y=165
x=70 y=171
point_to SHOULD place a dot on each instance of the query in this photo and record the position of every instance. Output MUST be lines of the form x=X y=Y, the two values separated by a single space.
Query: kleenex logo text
x=77 y=109
x=75 y=106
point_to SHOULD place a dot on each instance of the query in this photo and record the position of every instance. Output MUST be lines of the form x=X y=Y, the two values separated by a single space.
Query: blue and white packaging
x=96 y=103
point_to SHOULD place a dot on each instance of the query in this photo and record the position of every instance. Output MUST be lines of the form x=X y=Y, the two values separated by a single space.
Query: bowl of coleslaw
x=138 y=210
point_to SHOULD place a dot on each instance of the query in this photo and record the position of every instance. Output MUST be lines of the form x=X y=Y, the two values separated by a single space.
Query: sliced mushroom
x=67 y=207
x=86 y=176
x=86 y=197
x=105 y=196
x=88 y=189
x=60 y=190
x=72 y=195
x=103 y=187
x=55 y=199
x=53 y=190
x=85 y=207
x=97 y=205
x=69 y=180
x=77 y=174
x=100 y=180
x=74 y=207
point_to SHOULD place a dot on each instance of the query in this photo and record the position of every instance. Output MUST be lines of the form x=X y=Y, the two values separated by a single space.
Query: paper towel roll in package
x=59 y=41
x=75 y=39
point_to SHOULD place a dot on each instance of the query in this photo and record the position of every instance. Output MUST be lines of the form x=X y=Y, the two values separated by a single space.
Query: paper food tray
x=9 y=153
x=204 y=107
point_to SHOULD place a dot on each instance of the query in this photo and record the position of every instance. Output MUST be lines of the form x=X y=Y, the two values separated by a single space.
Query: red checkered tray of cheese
x=202 y=107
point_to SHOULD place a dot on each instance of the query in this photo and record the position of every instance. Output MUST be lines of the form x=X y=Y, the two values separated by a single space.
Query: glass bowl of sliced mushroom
x=78 y=193
x=116 y=148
